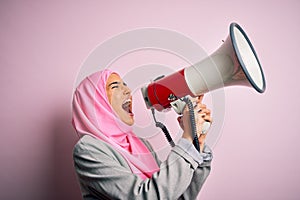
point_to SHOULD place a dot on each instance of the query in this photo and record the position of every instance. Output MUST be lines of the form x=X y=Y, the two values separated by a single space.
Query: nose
x=127 y=90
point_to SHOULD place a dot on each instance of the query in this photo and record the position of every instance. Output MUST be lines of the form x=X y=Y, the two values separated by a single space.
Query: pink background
x=44 y=43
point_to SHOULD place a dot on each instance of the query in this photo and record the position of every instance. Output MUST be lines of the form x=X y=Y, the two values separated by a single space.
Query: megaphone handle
x=193 y=123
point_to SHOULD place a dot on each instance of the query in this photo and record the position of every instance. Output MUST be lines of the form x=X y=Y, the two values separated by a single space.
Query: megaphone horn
x=234 y=63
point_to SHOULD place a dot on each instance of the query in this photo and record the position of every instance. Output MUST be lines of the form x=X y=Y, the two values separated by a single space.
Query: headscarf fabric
x=93 y=115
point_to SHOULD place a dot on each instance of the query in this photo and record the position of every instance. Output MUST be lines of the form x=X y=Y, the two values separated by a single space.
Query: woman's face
x=119 y=97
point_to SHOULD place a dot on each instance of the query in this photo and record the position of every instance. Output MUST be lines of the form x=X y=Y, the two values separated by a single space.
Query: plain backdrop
x=44 y=43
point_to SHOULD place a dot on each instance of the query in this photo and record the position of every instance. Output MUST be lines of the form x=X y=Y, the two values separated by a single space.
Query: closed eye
x=114 y=84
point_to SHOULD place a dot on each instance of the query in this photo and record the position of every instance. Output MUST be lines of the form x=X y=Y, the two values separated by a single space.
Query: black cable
x=193 y=122
x=163 y=128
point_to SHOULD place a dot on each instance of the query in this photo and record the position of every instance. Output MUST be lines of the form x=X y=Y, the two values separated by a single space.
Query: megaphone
x=234 y=63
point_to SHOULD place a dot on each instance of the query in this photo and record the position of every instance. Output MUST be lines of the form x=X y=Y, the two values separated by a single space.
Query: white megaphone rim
x=258 y=87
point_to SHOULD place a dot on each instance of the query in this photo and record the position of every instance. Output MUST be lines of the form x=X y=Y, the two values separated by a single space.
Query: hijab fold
x=93 y=115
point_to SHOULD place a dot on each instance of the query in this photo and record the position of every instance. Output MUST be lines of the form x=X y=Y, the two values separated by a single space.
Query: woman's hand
x=202 y=114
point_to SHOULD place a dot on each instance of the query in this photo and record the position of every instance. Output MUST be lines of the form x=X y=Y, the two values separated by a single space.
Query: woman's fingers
x=208 y=118
x=200 y=98
x=204 y=110
x=202 y=115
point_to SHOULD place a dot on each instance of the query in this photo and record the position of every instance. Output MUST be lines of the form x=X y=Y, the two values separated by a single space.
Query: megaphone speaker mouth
x=247 y=57
x=234 y=63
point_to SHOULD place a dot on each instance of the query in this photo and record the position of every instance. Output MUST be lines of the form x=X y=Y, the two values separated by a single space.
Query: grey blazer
x=104 y=174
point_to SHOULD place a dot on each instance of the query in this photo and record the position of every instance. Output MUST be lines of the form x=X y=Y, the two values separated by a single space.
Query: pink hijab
x=93 y=115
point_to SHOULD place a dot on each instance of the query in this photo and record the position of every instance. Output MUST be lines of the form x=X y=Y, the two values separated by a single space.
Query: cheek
x=113 y=96
x=109 y=96
x=115 y=99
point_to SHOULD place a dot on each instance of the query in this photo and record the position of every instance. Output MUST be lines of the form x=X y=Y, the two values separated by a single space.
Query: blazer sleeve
x=103 y=177
x=200 y=176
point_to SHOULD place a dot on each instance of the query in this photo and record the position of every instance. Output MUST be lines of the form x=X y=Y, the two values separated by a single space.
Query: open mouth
x=127 y=106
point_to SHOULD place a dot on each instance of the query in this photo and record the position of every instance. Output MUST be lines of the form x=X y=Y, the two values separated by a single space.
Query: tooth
x=127 y=101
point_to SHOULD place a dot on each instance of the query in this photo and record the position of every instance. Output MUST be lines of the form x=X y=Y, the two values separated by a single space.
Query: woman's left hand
x=202 y=114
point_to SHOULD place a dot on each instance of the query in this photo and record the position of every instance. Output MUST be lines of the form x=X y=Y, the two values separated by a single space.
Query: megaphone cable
x=163 y=128
x=193 y=122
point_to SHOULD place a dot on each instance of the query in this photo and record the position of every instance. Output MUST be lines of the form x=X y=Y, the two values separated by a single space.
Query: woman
x=111 y=162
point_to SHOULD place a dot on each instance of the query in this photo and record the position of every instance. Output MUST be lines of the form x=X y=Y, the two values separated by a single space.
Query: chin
x=130 y=123
x=128 y=119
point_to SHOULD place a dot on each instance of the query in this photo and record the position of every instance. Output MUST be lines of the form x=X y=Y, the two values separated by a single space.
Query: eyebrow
x=115 y=82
